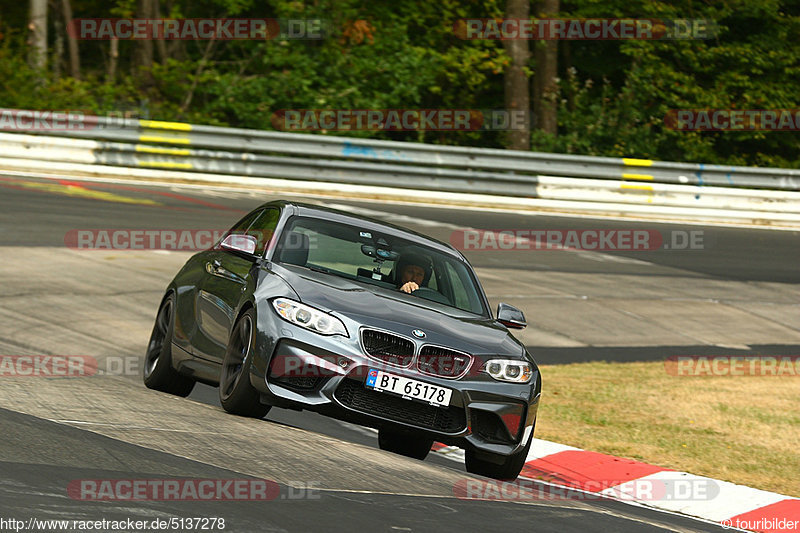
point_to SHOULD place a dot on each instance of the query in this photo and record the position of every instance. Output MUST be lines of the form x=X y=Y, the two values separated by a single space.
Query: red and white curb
x=732 y=506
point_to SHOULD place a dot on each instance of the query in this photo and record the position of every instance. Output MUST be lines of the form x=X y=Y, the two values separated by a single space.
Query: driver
x=413 y=271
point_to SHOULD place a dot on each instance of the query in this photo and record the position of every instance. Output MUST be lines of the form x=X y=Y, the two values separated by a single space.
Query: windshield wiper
x=318 y=269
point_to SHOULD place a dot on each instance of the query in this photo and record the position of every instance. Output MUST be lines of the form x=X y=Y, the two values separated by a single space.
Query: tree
x=516 y=85
x=37 y=38
x=545 y=89
x=145 y=9
x=72 y=41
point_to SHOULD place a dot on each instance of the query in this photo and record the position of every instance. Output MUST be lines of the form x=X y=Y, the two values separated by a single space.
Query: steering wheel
x=431 y=294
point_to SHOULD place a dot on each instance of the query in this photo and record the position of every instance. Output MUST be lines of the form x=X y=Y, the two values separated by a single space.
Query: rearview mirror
x=387 y=255
x=240 y=243
x=510 y=316
x=379 y=253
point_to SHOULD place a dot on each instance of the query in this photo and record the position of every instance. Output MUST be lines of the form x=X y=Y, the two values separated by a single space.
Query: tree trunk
x=160 y=43
x=545 y=87
x=72 y=42
x=58 y=47
x=112 y=60
x=143 y=56
x=516 y=83
x=37 y=39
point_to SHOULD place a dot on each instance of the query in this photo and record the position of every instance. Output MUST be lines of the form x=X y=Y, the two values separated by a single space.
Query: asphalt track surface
x=730 y=253
x=55 y=431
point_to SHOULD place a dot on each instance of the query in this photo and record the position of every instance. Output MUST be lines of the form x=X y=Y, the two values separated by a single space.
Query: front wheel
x=406 y=444
x=158 y=373
x=507 y=469
x=236 y=394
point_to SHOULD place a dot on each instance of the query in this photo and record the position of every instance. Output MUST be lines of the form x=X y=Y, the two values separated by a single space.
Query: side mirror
x=240 y=243
x=510 y=316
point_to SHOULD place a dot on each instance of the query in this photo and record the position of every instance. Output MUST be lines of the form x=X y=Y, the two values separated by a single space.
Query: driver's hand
x=409 y=287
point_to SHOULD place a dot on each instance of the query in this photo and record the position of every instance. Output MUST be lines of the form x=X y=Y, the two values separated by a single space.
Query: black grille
x=355 y=395
x=386 y=347
x=443 y=362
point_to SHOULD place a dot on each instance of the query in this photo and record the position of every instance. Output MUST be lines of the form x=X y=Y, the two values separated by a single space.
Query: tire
x=158 y=373
x=406 y=444
x=236 y=394
x=507 y=470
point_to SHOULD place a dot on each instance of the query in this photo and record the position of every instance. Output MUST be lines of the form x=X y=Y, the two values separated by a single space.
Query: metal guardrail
x=187 y=148
x=494 y=161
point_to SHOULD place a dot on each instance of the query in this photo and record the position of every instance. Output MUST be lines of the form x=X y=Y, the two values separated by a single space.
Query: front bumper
x=329 y=377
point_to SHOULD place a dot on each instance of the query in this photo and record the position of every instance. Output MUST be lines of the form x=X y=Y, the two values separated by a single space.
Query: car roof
x=336 y=215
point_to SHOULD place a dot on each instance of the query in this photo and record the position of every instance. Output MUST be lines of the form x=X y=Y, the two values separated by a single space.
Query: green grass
x=740 y=429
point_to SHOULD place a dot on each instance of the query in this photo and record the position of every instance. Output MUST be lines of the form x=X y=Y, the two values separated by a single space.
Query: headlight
x=509 y=370
x=308 y=317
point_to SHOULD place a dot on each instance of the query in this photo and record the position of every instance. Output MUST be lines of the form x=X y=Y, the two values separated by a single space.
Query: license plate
x=410 y=389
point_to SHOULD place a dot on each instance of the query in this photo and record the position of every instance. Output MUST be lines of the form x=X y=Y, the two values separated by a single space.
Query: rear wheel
x=406 y=444
x=506 y=468
x=158 y=373
x=236 y=394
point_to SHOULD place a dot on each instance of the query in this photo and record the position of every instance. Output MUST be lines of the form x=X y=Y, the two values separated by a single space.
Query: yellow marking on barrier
x=167 y=140
x=636 y=186
x=79 y=191
x=163 y=151
x=164 y=164
x=647 y=177
x=637 y=162
x=161 y=125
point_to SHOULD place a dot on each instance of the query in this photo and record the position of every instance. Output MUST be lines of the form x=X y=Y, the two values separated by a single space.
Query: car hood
x=373 y=306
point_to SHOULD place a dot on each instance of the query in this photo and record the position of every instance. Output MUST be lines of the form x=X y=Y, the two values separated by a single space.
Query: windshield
x=368 y=256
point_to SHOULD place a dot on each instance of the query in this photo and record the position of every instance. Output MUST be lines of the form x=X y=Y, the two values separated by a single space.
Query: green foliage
x=399 y=54
x=751 y=64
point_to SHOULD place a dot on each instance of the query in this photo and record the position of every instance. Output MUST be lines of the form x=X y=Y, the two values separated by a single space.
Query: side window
x=263 y=228
x=244 y=223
